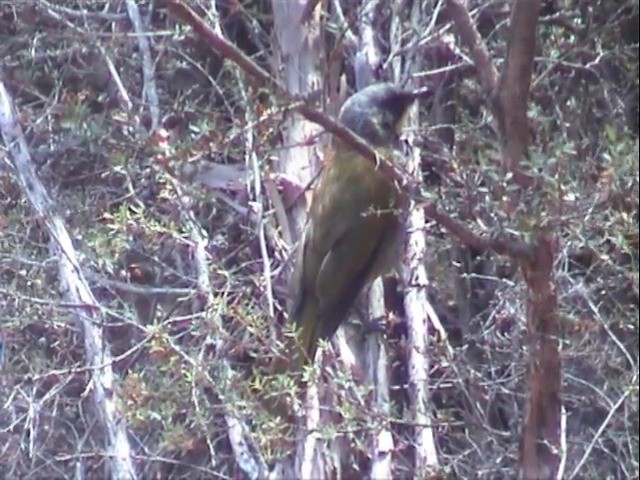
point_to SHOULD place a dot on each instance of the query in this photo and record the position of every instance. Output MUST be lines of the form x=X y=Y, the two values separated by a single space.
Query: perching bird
x=354 y=227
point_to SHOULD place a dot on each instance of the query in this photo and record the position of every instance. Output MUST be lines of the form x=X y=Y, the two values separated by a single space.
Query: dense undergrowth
x=125 y=197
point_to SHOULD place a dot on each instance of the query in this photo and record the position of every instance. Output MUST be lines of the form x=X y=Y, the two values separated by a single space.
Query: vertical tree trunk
x=419 y=311
x=298 y=54
x=540 y=436
x=540 y=441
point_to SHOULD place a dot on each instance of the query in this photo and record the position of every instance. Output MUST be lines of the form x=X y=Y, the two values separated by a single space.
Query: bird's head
x=376 y=113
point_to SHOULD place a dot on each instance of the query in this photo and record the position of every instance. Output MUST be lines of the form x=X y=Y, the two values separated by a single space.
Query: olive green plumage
x=353 y=231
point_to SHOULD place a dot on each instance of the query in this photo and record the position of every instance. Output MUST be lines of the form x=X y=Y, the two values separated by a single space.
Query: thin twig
x=350 y=39
x=84 y=14
x=75 y=289
x=255 y=189
x=149 y=91
x=600 y=430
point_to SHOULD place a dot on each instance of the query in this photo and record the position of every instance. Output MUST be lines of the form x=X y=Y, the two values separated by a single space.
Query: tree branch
x=228 y=50
x=508 y=101
x=471 y=39
x=500 y=244
x=75 y=290
x=513 y=87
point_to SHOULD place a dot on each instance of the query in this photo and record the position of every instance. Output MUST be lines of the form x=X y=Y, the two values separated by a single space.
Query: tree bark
x=508 y=98
x=297 y=60
x=540 y=437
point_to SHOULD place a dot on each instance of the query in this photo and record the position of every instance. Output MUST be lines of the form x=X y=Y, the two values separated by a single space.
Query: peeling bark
x=416 y=302
x=297 y=59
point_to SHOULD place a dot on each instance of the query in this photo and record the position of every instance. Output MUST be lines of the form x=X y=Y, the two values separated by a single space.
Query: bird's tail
x=301 y=345
x=299 y=351
x=305 y=319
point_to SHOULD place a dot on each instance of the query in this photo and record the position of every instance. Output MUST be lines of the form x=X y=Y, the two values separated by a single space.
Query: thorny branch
x=228 y=50
x=75 y=290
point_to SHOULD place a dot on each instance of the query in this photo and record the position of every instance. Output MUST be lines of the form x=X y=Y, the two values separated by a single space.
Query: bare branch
x=417 y=307
x=350 y=39
x=416 y=301
x=299 y=105
x=122 y=91
x=75 y=290
x=367 y=59
x=252 y=164
x=149 y=91
x=381 y=441
x=515 y=80
x=53 y=12
x=84 y=14
x=598 y=434
x=471 y=39
x=500 y=244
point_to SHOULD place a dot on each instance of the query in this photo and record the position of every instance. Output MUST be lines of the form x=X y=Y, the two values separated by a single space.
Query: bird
x=353 y=232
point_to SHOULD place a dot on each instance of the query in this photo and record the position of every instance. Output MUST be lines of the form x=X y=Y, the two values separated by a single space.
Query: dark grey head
x=376 y=113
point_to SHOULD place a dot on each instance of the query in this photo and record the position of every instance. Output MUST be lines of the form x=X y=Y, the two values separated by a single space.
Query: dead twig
x=149 y=90
x=74 y=289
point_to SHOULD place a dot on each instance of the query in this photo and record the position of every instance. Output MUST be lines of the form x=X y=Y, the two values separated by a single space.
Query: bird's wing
x=342 y=240
x=296 y=280
x=347 y=268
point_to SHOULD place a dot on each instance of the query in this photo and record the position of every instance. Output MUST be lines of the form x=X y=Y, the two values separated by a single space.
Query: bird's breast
x=353 y=194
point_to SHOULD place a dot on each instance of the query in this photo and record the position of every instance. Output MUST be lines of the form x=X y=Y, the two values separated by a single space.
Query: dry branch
x=381 y=441
x=416 y=281
x=149 y=90
x=297 y=104
x=75 y=290
x=501 y=244
x=415 y=301
x=472 y=41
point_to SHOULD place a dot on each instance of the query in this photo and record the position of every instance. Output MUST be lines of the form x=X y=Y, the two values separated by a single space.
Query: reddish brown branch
x=507 y=94
x=508 y=101
x=500 y=244
x=539 y=448
x=220 y=44
x=514 y=84
x=471 y=39
x=228 y=50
